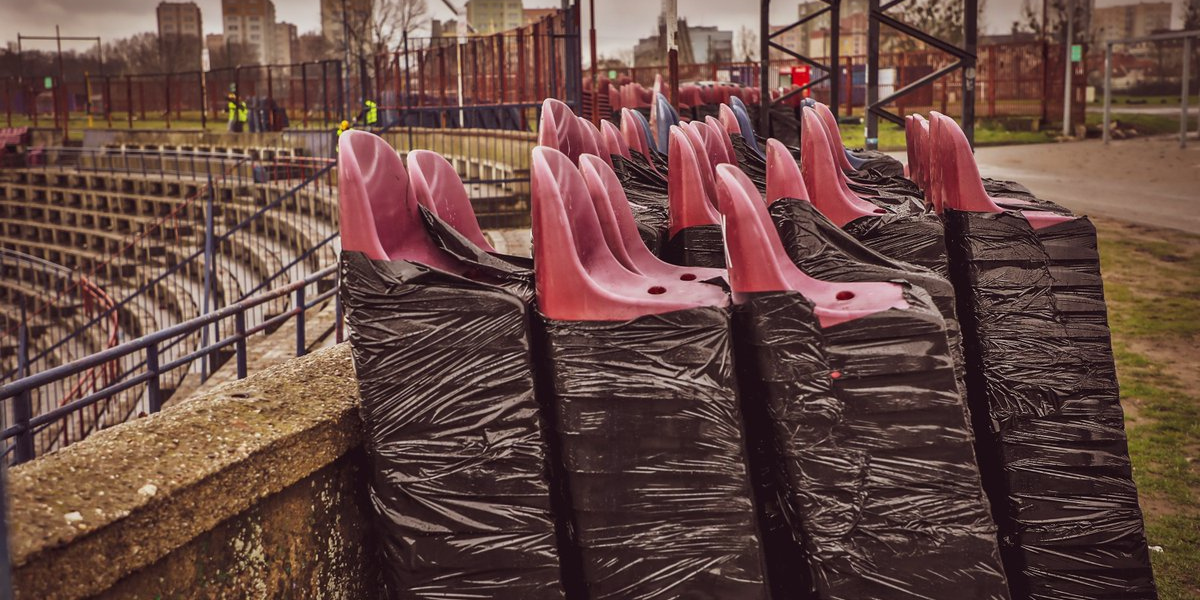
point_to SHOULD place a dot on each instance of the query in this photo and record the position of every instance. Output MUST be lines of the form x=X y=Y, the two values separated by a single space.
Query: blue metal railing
x=254 y=236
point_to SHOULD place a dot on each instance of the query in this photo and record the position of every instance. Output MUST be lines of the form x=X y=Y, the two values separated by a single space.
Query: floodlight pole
x=1066 y=128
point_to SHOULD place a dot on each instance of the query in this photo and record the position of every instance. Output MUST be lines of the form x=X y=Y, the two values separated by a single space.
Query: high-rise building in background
x=1130 y=20
x=491 y=16
x=180 y=35
x=250 y=23
x=286 y=44
x=357 y=21
x=696 y=44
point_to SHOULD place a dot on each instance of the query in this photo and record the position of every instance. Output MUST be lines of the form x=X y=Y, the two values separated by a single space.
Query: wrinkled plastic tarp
x=698 y=246
x=907 y=232
x=646 y=191
x=824 y=251
x=652 y=437
x=873 y=469
x=1053 y=446
x=459 y=480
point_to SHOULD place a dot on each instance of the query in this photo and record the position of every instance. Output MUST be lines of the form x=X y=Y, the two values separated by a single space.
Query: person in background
x=237 y=113
x=371 y=113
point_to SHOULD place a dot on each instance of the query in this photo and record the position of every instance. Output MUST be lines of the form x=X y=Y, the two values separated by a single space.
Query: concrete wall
x=256 y=489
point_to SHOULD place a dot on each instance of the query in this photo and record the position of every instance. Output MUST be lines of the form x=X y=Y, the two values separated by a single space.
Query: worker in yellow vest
x=235 y=123
x=238 y=114
x=372 y=113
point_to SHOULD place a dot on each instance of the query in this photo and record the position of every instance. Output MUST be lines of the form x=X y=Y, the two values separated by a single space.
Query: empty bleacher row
x=125 y=231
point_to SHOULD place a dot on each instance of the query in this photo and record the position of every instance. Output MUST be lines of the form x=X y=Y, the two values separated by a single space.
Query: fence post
x=239 y=328
x=8 y=101
x=304 y=94
x=1183 y=109
x=167 y=98
x=208 y=273
x=203 y=100
x=153 y=392
x=300 y=333
x=23 y=407
x=129 y=99
x=1108 y=48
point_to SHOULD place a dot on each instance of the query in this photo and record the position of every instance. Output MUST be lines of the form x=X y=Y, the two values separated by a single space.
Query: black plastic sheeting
x=698 y=246
x=1042 y=386
x=872 y=469
x=753 y=165
x=647 y=194
x=652 y=438
x=878 y=164
x=459 y=472
x=824 y=251
x=907 y=231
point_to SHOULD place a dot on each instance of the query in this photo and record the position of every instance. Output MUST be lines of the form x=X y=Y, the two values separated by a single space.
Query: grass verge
x=891 y=136
x=1152 y=286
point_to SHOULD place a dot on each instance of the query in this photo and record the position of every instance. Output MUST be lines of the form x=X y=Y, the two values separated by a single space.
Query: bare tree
x=939 y=18
x=312 y=46
x=232 y=54
x=747 y=44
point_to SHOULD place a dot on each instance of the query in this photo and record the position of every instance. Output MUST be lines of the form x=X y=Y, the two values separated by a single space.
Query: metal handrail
x=150 y=344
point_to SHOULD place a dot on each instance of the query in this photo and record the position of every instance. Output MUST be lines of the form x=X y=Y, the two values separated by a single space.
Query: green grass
x=891 y=136
x=1125 y=99
x=1144 y=124
x=1152 y=285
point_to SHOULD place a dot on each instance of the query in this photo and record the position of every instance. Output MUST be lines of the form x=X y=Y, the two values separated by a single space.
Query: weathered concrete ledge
x=255 y=488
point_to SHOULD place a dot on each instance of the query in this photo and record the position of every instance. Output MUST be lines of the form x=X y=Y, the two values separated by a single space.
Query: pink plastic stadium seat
x=438 y=188
x=690 y=185
x=635 y=135
x=758 y=263
x=593 y=141
x=559 y=129
x=955 y=173
x=833 y=136
x=578 y=278
x=621 y=232
x=720 y=135
x=784 y=179
x=378 y=212
x=825 y=181
x=613 y=142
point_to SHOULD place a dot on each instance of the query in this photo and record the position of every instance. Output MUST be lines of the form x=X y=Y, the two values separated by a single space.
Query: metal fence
x=148 y=239
x=518 y=66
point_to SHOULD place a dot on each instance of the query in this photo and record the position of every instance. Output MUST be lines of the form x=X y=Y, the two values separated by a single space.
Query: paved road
x=1146 y=181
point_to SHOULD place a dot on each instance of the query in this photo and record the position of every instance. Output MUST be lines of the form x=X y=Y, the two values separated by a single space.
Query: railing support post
x=300 y=333
x=208 y=274
x=153 y=392
x=239 y=327
x=23 y=407
x=6 y=585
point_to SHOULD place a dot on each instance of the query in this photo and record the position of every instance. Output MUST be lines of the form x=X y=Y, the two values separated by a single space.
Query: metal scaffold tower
x=832 y=70
x=965 y=56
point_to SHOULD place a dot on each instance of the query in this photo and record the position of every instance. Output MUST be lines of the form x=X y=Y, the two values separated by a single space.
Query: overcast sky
x=619 y=23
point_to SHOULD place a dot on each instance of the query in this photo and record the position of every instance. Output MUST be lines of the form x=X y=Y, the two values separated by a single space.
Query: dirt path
x=1145 y=181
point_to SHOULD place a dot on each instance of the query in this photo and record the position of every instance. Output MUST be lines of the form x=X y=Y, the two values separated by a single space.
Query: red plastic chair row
x=954 y=177
x=378 y=200
x=578 y=276
x=758 y=262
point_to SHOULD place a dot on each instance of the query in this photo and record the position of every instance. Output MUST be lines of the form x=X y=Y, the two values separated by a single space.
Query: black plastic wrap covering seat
x=653 y=441
x=647 y=193
x=824 y=251
x=876 y=472
x=1042 y=386
x=908 y=232
x=455 y=437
